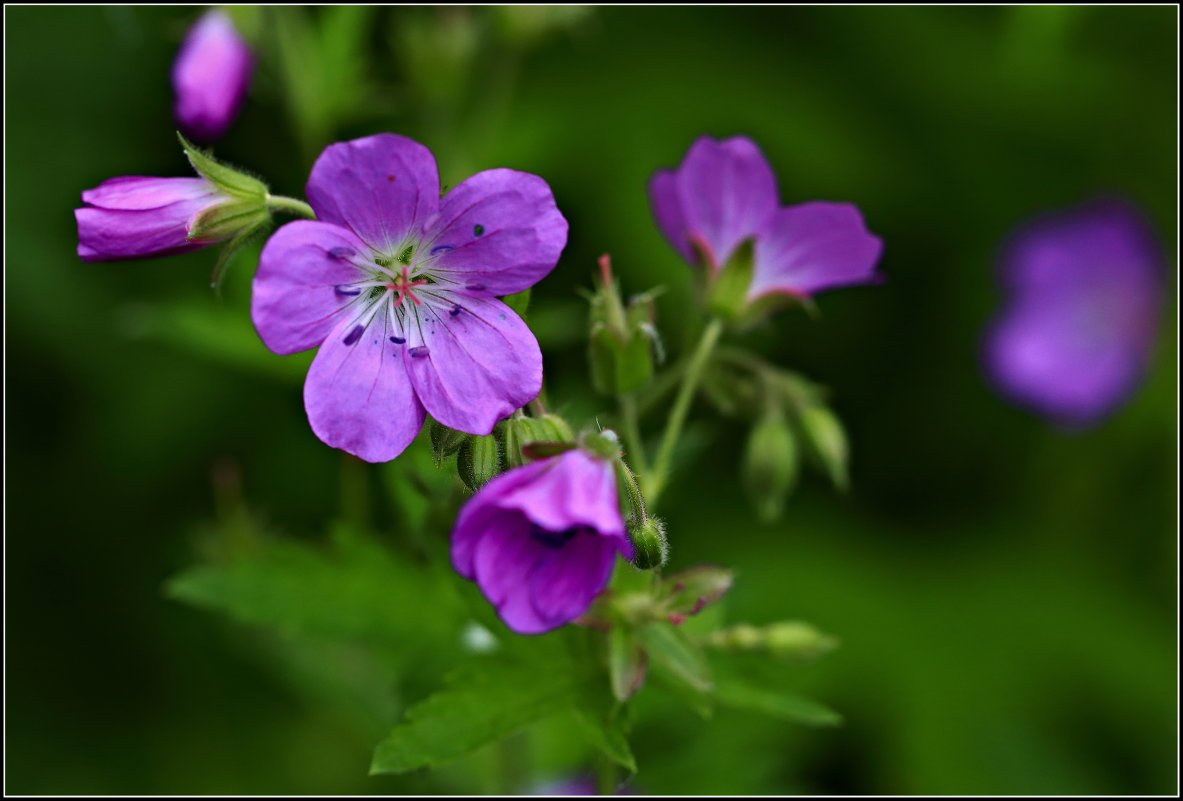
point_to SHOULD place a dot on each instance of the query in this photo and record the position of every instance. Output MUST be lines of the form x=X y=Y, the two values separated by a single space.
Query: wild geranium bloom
x=397 y=286
x=540 y=540
x=135 y=217
x=210 y=77
x=1084 y=291
x=724 y=194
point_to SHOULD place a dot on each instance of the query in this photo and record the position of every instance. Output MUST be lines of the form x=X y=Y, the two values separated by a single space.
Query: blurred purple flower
x=210 y=77
x=136 y=217
x=397 y=286
x=1084 y=291
x=540 y=540
x=724 y=193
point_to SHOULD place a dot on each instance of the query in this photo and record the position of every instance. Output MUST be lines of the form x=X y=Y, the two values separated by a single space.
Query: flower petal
x=383 y=187
x=814 y=246
x=667 y=211
x=479 y=362
x=726 y=190
x=503 y=562
x=357 y=393
x=500 y=229
x=580 y=490
x=294 y=295
x=139 y=192
x=106 y=235
x=482 y=513
x=565 y=582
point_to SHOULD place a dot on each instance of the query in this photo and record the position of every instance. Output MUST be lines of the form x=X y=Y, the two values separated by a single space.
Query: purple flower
x=135 y=217
x=1084 y=288
x=210 y=77
x=397 y=286
x=724 y=193
x=540 y=540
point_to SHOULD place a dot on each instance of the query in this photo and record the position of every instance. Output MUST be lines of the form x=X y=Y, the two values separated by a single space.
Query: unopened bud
x=797 y=640
x=603 y=444
x=478 y=461
x=521 y=432
x=444 y=442
x=623 y=340
x=688 y=591
x=827 y=442
x=651 y=548
x=770 y=464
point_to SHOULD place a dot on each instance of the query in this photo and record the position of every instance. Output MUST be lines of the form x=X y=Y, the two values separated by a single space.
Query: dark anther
x=420 y=351
x=342 y=253
x=343 y=289
x=354 y=335
x=397 y=340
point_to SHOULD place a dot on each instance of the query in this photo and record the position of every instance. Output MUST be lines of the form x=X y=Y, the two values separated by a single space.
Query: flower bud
x=478 y=461
x=623 y=340
x=688 y=591
x=796 y=640
x=603 y=444
x=770 y=464
x=210 y=77
x=444 y=442
x=827 y=442
x=649 y=541
x=521 y=432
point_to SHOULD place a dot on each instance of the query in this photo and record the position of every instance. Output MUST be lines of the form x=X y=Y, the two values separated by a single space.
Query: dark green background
x=1004 y=592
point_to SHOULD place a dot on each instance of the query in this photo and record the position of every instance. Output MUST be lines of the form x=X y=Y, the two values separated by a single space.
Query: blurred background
x=1004 y=592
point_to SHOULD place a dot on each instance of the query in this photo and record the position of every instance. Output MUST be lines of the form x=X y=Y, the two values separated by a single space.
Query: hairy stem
x=290 y=205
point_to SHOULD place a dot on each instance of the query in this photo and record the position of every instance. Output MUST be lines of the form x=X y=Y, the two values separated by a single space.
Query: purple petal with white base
x=135 y=217
x=1074 y=339
x=371 y=280
x=541 y=540
x=210 y=77
x=813 y=246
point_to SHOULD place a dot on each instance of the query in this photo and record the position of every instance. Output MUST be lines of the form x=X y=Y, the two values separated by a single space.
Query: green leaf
x=480 y=704
x=355 y=590
x=738 y=693
x=519 y=302
x=604 y=728
x=673 y=651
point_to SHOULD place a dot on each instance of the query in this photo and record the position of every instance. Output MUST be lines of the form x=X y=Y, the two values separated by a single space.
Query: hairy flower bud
x=623 y=340
x=478 y=461
x=652 y=547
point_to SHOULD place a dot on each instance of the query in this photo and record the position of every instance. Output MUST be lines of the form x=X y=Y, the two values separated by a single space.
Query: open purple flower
x=210 y=77
x=724 y=194
x=397 y=286
x=135 y=217
x=1084 y=291
x=540 y=540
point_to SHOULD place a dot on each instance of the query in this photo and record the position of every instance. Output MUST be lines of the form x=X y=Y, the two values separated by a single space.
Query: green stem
x=607 y=777
x=290 y=205
x=635 y=499
x=632 y=433
x=673 y=429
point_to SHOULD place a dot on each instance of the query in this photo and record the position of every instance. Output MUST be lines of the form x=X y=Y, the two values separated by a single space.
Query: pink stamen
x=403 y=286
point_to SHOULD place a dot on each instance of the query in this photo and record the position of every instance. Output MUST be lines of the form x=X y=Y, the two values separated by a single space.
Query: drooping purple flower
x=210 y=77
x=540 y=540
x=397 y=286
x=724 y=193
x=1084 y=291
x=136 y=217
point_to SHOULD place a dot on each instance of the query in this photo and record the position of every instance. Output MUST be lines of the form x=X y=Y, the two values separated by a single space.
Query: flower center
x=553 y=539
x=403 y=285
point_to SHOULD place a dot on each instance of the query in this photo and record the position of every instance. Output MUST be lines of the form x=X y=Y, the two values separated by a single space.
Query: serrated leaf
x=605 y=732
x=738 y=693
x=671 y=649
x=480 y=705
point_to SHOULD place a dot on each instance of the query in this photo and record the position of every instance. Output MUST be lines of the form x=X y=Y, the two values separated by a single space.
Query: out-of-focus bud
x=788 y=639
x=728 y=292
x=603 y=444
x=478 y=461
x=770 y=464
x=210 y=77
x=649 y=543
x=521 y=432
x=527 y=25
x=688 y=591
x=827 y=441
x=622 y=341
x=436 y=47
x=444 y=442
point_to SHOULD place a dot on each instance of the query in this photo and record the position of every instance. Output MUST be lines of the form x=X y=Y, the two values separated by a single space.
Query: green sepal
x=627 y=662
x=534 y=451
x=688 y=591
x=231 y=249
x=225 y=220
x=729 y=287
x=521 y=431
x=651 y=549
x=226 y=179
